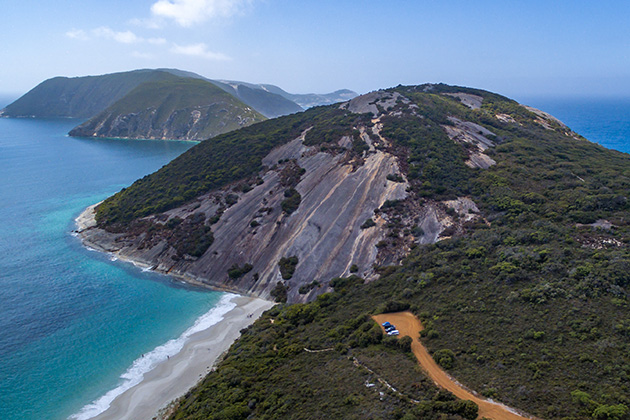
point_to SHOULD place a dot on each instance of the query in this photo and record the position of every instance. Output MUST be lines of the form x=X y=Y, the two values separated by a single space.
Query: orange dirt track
x=409 y=325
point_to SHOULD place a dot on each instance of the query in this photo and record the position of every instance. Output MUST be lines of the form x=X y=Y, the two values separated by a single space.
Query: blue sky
x=520 y=49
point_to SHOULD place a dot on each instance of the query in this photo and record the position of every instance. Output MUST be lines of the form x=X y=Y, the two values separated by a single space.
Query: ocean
x=601 y=120
x=74 y=324
x=78 y=328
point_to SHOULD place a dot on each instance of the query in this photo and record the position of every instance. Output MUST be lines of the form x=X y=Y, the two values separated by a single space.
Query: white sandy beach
x=173 y=377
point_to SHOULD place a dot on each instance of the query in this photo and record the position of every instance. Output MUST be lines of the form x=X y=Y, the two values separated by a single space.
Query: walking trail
x=409 y=325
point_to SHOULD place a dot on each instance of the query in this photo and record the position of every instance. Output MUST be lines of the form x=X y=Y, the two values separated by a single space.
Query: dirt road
x=409 y=325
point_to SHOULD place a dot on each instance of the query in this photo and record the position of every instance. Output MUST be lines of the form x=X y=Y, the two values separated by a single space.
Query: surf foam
x=141 y=366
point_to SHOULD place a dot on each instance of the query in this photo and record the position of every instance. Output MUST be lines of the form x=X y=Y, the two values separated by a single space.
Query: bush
x=287 y=266
x=393 y=306
x=404 y=343
x=444 y=358
x=236 y=272
x=610 y=412
x=279 y=293
x=368 y=224
x=292 y=201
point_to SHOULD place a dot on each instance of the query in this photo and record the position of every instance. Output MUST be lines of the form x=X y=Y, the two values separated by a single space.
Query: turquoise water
x=72 y=321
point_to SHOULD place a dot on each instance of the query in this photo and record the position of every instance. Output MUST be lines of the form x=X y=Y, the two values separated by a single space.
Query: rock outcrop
x=315 y=212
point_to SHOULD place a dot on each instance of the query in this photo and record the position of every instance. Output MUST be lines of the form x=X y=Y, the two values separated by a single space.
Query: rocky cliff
x=353 y=208
x=502 y=230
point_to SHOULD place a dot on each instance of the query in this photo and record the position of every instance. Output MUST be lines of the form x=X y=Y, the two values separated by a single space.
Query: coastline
x=171 y=378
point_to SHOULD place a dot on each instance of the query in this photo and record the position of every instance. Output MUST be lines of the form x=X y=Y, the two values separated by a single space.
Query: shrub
x=368 y=224
x=393 y=306
x=405 y=344
x=292 y=201
x=610 y=412
x=395 y=178
x=444 y=358
x=287 y=266
x=236 y=272
x=173 y=222
x=279 y=293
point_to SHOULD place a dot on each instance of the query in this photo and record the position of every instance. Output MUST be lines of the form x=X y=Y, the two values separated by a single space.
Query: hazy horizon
x=563 y=48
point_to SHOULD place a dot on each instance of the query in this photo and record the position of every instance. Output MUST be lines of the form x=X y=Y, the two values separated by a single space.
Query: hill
x=309 y=100
x=503 y=230
x=256 y=92
x=184 y=109
x=79 y=97
x=85 y=97
x=267 y=103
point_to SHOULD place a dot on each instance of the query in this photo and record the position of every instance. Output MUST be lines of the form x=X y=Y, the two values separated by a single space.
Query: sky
x=516 y=48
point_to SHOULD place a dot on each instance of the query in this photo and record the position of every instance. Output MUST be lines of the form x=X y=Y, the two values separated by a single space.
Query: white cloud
x=156 y=41
x=199 y=50
x=105 y=32
x=125 y=37
x=191 y=12
x=77 y=34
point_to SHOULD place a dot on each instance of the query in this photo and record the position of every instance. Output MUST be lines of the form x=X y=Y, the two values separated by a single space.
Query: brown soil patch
x=409 y=325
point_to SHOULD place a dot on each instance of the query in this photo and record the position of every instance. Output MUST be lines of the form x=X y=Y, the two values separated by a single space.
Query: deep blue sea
x=601 y=120
x=73 y=323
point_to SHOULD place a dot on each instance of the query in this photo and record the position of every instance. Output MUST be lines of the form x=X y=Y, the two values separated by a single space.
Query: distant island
x=504 y=232
x=183 y=108
x=160 y=104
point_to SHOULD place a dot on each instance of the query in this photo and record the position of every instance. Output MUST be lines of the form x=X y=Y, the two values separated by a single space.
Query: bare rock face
x=368 y=102
x=477 y=138
x=197 y=123
x=312 y=214
x=468 y=99
x=324 y=233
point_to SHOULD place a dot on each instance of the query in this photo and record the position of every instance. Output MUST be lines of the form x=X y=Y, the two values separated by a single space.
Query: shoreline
x=87 y=221
x=171 y=378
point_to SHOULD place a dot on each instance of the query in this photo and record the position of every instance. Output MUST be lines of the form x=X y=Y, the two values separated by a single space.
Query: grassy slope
x=164 y=98
x=80 y=97
x=533 y=309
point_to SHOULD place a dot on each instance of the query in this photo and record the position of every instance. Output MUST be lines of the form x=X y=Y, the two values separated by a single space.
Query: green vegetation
x=305 y=288
x=237 y=271
x=292 y=200
x=165 y=109
x=80 y=97
x=527 y=305
x=368 y=224
x=268 y=374
x=279 y=293
x=205 y=167
x=190 y=236
x=334 y=123
x=287 y=266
